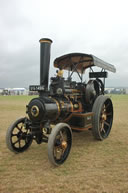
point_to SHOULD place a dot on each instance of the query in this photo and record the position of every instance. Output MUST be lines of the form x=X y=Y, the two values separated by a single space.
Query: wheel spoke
x=107 y=105
x=62 y=138
x=26 y=140
x=102 y=127
x=103 y=130
x=62 y=155
x=57 y=153
x=16 y=141
x=14 y=135
x=104 y=109
x=18 y=127
x=108 y=114
x=106 y=123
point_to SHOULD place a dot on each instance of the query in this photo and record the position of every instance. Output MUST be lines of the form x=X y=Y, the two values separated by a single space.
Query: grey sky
x=98 y=27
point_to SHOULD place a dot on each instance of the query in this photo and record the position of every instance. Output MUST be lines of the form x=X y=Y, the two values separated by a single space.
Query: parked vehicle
x=65 y=106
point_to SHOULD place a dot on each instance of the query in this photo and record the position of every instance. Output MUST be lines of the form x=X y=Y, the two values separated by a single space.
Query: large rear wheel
x=103 y=117
x=59 y=144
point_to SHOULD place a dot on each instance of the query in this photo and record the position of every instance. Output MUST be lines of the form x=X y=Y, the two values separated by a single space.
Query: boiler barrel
x=45 y=109
x=42 y=109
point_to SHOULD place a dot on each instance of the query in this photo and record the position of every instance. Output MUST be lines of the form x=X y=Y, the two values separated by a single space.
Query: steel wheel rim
x=62 y=145
x=106 y=118
x=20 y=137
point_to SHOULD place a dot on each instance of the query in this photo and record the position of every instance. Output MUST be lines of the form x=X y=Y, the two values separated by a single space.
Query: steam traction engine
x=66 y=106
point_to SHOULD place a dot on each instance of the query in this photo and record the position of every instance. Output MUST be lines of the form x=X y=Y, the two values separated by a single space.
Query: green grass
x=92 y=167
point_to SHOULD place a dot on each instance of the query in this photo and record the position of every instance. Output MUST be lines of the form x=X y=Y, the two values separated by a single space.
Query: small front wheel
x=59 y=143
x=18 y=137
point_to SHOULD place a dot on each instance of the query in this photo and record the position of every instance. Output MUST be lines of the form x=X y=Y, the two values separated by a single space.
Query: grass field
x=92 y=166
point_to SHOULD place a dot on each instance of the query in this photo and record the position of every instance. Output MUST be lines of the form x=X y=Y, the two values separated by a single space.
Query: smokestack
x=45 y=47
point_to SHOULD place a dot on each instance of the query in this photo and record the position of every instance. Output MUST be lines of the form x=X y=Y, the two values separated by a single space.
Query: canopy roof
x=80 y=61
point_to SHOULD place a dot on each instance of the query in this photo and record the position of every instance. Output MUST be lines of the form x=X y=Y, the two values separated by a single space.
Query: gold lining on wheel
x=64 y=145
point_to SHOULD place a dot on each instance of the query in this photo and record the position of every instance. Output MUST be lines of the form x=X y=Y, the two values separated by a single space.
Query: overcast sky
x=98 y=27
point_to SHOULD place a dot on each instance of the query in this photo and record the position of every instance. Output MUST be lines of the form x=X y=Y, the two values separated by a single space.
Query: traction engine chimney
x=45 y=47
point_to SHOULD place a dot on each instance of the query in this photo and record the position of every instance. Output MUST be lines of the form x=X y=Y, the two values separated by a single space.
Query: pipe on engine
x=45 y=47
